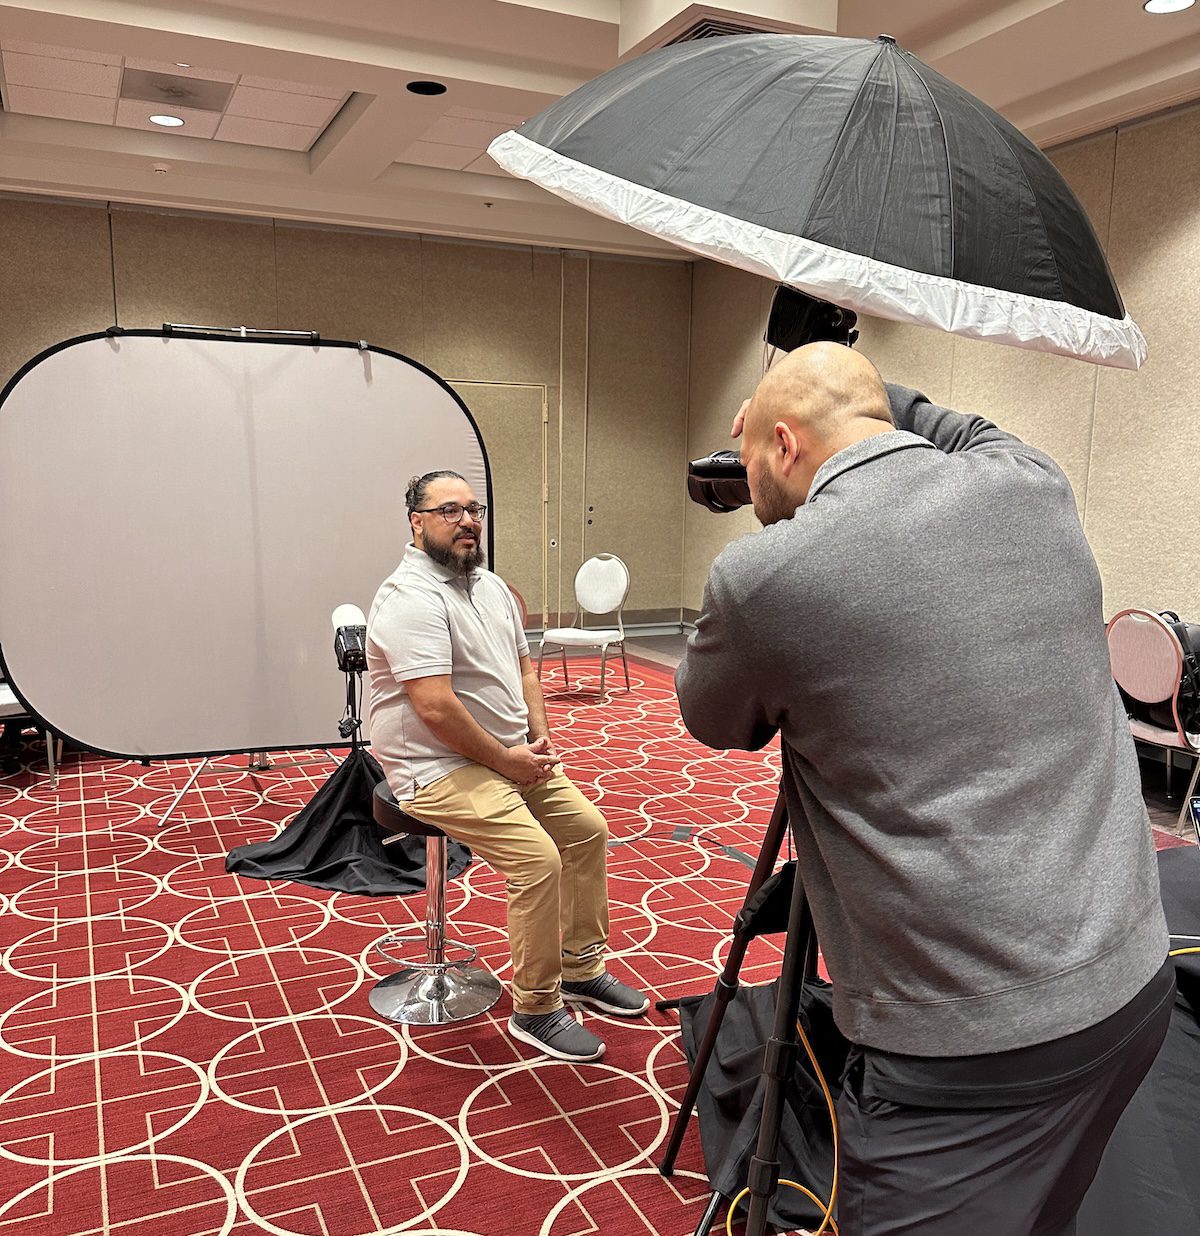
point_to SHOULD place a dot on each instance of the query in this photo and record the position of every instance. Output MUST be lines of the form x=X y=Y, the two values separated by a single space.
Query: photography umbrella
x=843 y=167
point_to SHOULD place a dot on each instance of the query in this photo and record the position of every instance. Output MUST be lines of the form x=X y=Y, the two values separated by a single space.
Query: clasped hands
x=530 y=763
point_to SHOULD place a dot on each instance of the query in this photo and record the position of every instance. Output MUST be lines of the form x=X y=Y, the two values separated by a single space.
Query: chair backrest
x=1147 y=659
x=602 y=584
x=522 y=608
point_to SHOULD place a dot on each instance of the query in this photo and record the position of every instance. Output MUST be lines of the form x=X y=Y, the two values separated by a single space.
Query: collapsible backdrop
x=181 y=513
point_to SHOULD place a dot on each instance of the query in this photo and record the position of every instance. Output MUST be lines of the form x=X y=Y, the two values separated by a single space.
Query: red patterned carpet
x=185 y=1053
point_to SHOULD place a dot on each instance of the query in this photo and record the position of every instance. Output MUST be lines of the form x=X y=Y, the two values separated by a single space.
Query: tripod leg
x=780 y=1058
x=727 y=984
x=709 y=1216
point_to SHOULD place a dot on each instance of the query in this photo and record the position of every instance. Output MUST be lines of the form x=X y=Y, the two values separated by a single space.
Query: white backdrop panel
x=178 y=518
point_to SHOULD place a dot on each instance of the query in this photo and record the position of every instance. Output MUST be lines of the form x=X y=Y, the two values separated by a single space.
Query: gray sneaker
x=557 y=1034
x=607 y=994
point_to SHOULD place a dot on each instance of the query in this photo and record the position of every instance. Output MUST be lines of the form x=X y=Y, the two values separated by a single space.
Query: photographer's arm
x=450 y=722
x=715 y=683
x=957 y=432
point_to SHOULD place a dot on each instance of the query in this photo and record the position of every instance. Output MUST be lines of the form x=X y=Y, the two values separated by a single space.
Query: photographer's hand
x=739 y=420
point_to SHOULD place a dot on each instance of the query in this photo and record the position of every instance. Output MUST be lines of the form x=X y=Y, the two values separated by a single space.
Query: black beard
x=460 y=564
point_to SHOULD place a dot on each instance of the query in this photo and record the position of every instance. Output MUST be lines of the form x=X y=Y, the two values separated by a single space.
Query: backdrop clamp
x=242 y=332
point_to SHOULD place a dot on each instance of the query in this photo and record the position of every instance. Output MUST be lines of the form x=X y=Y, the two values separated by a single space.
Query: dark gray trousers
x=985 y=1171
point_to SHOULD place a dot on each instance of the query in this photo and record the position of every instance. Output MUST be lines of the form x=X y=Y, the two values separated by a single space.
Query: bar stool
x=428 y=990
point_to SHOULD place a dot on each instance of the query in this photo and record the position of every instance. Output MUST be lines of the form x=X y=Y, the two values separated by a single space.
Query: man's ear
x=789 y=446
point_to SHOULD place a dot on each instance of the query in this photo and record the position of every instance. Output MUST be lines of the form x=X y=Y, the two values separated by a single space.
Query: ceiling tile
x=281 y=106
x=71 y=76
x=429 y=154
x=59 y=104
x=454 y=131
x=59 y=53
x=169 y=91
x=134 y=114
x=267 y=133
x=274 y=83
x=166 y=66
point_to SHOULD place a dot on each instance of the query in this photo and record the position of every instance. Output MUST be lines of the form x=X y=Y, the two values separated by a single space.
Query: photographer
x=459 y=726
x=920 y=620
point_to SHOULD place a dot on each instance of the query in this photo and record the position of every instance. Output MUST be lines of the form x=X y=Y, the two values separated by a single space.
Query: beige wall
x=576 y=368
x=1130 y=442
x=640 y=365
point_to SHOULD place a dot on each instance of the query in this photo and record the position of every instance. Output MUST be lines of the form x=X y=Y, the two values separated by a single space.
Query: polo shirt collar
x=864 y=452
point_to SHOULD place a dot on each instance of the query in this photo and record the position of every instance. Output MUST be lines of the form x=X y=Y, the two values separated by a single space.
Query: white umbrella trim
x=846 y=279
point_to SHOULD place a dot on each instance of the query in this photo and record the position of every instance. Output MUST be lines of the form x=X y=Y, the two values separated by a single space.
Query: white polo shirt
x=426 y=621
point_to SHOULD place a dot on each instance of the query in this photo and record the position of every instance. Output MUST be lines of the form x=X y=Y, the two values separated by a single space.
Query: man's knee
x=594 y=826
x=532 y=866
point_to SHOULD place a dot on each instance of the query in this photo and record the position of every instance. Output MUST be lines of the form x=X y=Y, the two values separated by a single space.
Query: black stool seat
x=392 y=818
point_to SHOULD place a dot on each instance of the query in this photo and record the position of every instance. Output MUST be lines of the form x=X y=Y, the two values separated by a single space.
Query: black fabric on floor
x=1149 y=1178
x=334 y=842
x=730 y=1102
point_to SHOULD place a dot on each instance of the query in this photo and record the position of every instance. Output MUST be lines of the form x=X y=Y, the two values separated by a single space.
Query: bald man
x=920 y=621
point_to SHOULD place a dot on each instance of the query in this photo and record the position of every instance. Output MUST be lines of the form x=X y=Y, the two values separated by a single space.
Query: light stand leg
x=178 y=797
x=709 y=1216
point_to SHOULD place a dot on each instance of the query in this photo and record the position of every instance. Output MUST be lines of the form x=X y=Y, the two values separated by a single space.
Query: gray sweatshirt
x=926 y=635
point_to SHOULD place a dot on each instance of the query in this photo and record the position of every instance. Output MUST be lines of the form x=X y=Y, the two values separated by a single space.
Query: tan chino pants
x=550 y=844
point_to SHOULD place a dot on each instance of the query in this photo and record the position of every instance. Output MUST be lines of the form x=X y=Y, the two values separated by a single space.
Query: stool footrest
x=465 y=953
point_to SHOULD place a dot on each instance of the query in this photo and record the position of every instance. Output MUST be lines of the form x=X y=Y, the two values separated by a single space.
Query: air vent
x=712 y=28
x=170 y=90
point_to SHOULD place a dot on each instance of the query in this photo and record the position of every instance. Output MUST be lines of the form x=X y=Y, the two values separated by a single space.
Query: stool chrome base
x=420 y=996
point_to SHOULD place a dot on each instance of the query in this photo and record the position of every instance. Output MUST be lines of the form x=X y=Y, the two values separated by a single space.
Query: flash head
x=350 y=639
x=797 y=318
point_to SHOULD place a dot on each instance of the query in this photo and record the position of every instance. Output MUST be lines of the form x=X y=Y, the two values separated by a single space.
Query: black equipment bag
x=1188 y=634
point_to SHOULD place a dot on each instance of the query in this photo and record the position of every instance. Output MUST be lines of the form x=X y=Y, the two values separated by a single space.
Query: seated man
x=459 y=725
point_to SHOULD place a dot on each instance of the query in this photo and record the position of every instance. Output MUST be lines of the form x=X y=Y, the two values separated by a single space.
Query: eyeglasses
x=452 y=512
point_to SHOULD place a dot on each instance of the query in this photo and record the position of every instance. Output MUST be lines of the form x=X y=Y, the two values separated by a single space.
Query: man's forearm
x=535 y=702
x=453 y=725
x=948 y=430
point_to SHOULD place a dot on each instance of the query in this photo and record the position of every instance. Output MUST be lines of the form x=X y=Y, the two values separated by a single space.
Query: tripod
x=799 y=963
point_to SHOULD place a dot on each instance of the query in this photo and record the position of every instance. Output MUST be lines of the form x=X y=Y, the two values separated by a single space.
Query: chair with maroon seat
x=1147 y=663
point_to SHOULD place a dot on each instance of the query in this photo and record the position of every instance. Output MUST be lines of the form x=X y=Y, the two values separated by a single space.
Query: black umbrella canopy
x=843 y=167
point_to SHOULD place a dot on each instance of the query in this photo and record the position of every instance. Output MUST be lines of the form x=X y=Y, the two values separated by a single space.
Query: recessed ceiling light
x=1167 y=6
x=426 y=87
x=180 y=65
x=167 y=122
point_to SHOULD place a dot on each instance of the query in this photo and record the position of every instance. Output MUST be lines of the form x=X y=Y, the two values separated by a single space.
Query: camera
x=718 y=481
